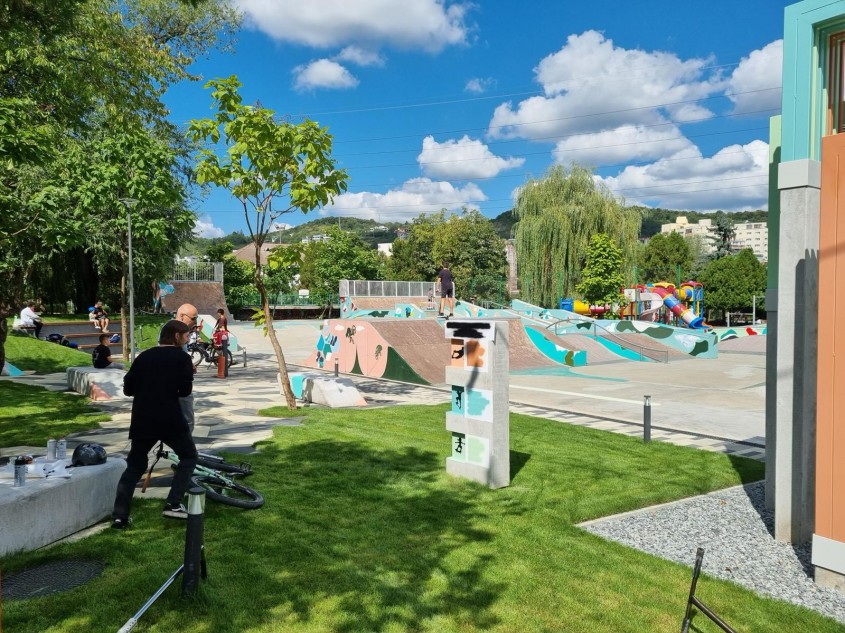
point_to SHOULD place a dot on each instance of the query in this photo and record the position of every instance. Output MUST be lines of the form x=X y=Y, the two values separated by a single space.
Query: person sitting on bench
x=102 y=355
x=100 y=317
x=31 y=319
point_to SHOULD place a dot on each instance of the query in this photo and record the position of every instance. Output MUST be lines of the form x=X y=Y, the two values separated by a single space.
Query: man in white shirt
x=30 y=318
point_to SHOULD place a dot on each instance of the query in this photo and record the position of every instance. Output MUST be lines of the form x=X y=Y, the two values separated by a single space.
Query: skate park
x=718 y=399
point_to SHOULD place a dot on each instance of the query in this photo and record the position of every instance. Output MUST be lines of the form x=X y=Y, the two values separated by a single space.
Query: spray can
x=20 y=471
x=51 y=450
x=61 y=449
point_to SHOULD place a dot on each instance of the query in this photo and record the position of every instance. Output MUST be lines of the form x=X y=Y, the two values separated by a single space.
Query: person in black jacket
x=157 y=379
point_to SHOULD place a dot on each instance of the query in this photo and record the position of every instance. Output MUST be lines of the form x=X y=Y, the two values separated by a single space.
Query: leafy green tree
x=602 y=279
x=283 y=265
x=468 y=241
x=475 y=252
x=660 y=258
x=70 y=67
x=414 y=258
x=343 y=256
x=722 y=235
x=732 y=281
x=266 y=162
x=557 y=216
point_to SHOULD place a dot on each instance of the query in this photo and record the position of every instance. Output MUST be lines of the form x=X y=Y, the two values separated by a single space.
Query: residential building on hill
x=753 y=235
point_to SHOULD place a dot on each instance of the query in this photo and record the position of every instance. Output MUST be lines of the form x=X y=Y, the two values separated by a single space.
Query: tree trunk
x=290 y=399
x=4 y=332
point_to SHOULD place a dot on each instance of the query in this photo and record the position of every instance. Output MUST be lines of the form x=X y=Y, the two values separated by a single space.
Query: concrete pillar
x=799 y=182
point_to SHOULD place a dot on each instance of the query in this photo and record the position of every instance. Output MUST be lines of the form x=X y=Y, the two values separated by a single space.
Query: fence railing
x=281 y=300
x=384 y=288
x=198 y=271
x=659 y=355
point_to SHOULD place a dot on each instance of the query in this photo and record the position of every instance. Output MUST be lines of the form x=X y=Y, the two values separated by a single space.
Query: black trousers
x=38 y=325
x=136 y=464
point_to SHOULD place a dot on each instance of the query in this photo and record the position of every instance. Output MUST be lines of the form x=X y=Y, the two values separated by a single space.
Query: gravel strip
x=735 y=530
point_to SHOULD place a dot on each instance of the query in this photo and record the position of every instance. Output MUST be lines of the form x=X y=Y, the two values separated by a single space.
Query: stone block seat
x=83 y=334
x=97 y=384
x=46 y=510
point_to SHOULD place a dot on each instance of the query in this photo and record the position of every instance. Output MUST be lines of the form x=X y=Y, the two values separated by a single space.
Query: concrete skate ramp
x=207 y=296
x=744 y=345
x=410 y=350
x=650 y=347
x=385 y=303
x=523 y=353
x=421 y=343
x=596 y=352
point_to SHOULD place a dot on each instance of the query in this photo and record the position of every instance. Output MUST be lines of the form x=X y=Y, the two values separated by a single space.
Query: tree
x=266 y=161
x=343 y=256
x=557 y=216
x=660 y=258
x=602 y=279
x=731 y=282
x=722 y=235
x=68 y=68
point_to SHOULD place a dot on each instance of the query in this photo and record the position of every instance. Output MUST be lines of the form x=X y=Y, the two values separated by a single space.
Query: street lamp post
x=129 y=203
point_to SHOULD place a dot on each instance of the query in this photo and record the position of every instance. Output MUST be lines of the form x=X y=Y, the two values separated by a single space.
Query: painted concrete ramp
x=410 y=350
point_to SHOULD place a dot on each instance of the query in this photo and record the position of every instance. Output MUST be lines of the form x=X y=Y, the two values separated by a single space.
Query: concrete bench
x=46 y=510
x=97 y=384
x=325 y=390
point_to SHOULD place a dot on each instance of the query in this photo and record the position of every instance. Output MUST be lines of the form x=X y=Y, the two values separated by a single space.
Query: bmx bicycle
x=216 y=477
x=201 y=351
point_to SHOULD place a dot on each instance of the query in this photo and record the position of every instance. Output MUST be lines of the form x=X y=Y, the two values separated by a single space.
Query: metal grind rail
x=193 y=566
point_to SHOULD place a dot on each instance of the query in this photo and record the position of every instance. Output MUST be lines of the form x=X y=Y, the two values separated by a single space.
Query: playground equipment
x=646 y=302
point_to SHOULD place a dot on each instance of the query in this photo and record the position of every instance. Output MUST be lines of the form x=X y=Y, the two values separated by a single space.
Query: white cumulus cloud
x=479 y=85
x=415 y=196
x=323 y=73
x=757 y=81
x=429 y=25
x=205 y=228
x=464 y=158
x=629 y=142
x=592 y=86
x=734 y=179
x=360 y=56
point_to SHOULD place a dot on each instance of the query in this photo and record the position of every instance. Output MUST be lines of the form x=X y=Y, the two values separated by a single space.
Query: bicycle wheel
x=197 y=356
x=217 y=463
x=229 y=359
x=228 y=492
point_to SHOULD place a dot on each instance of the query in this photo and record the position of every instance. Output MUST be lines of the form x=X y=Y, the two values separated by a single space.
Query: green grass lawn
x=29 y=416
x=364 y=531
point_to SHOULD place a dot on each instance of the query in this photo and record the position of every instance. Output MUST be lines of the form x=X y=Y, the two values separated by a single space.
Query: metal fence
x=198 y=271
x=359 y=288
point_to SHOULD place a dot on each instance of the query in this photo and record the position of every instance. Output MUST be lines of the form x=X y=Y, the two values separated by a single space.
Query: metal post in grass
x=693 y=601
x=194 y=564
x=336 y=366
x=646 y=419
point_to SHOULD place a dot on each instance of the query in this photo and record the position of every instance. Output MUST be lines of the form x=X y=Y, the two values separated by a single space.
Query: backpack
x=61 y=340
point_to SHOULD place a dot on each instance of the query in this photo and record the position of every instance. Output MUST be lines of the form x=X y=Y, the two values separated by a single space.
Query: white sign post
x=480 y=417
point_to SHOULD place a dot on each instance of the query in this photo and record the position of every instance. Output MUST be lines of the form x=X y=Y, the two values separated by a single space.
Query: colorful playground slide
x=677 y=308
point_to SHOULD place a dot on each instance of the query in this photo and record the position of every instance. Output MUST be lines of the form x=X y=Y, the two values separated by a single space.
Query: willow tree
x=557 y=215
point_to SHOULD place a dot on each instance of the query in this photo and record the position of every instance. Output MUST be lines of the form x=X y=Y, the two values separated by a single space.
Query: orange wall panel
x=830 y=408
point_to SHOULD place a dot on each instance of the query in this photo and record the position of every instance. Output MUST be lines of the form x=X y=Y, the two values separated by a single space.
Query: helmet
x=88 y=455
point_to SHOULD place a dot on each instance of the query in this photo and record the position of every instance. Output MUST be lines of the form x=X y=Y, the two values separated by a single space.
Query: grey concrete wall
x=795 y=362
x=46 y=510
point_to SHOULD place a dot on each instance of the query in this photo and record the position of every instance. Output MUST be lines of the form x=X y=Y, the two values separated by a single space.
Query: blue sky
x=439 y=104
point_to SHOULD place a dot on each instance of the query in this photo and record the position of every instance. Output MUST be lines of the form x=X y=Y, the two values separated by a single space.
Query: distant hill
x=374 y=233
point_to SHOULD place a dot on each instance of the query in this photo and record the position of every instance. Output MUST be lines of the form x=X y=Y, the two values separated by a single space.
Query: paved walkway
x=600 y=397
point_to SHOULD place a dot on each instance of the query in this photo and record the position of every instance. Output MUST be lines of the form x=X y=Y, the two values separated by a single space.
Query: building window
x=836 y=84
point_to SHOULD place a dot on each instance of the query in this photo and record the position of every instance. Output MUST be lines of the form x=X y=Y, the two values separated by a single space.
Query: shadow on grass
x=364 y=540
x=518 y=461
